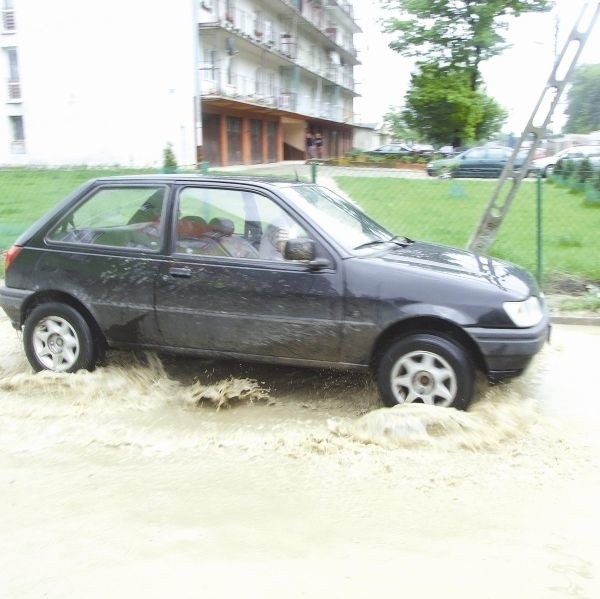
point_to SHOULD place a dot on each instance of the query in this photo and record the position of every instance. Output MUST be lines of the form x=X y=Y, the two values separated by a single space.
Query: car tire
x=57 y=337
x=548 y=170
x=426 y=368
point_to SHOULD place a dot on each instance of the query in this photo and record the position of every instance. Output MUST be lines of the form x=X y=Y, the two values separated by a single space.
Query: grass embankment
x=448 y=211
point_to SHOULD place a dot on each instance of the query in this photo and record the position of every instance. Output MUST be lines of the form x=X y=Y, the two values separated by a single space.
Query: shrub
x=584 y=171
x=568 y=168
x=169 y=160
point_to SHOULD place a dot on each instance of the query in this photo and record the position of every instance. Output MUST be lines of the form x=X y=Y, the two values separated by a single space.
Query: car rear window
x=126 y=217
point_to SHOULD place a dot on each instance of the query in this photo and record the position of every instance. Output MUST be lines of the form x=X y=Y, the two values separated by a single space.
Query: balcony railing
x=8 y=20
x=14 y=90
x=17 y=147
x=266 y=93
x=265 y=30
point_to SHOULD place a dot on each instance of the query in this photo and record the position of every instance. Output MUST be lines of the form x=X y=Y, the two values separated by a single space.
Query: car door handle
x=180 y=272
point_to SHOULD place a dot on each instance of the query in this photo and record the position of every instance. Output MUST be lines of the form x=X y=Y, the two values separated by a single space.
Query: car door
x=106 y=252
x=495 y=161
x=471 y=163
x=221 y=291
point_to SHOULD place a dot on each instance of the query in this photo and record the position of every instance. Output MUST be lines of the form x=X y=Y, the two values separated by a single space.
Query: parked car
x=280 y=272
x=482 y=161
x=423 y=149
x=394 y=149
x=446 y=151
x=545 y=166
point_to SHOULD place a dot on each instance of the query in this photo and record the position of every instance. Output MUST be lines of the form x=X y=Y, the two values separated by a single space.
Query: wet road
x=119 y=484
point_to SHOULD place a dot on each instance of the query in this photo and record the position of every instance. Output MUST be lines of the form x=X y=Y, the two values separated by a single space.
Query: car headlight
x=527 y=313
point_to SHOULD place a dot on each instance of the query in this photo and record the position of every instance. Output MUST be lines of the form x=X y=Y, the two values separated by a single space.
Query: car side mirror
x=304 y=250
x=300 y=249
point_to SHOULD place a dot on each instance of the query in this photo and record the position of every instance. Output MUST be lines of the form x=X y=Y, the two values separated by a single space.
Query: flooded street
x=129 y=482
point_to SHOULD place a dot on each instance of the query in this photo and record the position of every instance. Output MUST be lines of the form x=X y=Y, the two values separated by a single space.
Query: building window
x=17 y=144
x=14 y=83
x=259 y=24
x=8 y=16
x=230 y=10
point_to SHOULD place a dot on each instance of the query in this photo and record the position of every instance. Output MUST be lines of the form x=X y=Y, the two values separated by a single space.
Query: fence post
x=313 y=171
x=540 y=269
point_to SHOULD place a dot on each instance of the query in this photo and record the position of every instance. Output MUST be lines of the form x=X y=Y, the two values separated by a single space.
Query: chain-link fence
x=562 y=246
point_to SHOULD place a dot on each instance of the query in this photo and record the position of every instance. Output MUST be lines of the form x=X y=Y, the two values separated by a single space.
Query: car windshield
x=345 y=222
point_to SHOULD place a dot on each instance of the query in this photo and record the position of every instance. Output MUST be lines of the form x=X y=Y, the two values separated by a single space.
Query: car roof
x=554 y=157
x=195 y=178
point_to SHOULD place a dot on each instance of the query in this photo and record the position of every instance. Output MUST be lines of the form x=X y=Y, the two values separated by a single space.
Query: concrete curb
x=578 y=320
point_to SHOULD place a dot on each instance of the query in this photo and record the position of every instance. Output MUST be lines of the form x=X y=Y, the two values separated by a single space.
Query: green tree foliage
x=583 y=99
x=450 y=39
x=442 y=107
x=169 y=159
x=460 y=34
x=397 y=126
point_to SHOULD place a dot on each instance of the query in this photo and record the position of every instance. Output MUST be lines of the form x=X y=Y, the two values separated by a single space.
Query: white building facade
x=226 y=81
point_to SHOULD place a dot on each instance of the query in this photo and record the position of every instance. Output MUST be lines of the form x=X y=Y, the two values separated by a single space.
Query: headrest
x=224 y=226
x=192 y=226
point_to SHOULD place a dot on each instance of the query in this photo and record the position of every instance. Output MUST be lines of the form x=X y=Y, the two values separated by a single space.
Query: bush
x=169 y=160
x=568 y=168
x=584 y=171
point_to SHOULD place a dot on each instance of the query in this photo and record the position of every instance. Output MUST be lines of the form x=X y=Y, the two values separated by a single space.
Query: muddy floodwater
x=163 y=477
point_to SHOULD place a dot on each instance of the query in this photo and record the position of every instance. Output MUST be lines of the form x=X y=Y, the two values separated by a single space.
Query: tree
x=459 y=34
x=442 y=107
x=583 y=97
x=397 y=126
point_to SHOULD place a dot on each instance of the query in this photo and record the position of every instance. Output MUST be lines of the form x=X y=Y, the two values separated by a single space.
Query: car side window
x=475 y=154
x=232 y=223
x=128 y=216
x=497 y=154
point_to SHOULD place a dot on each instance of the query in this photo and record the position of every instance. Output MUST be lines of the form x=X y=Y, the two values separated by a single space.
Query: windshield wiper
x=399 y=241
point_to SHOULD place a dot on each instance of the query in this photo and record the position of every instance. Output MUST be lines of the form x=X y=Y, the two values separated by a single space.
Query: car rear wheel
x=426 y=368
x=56 y=337
x=548 y=170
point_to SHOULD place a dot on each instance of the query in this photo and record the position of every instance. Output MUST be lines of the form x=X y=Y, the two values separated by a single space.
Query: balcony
x=8 y=21
x=266 y=93
x=14 y=91
x=17 y=147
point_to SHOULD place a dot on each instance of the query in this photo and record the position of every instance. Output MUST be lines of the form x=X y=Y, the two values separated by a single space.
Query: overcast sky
x=516 y=79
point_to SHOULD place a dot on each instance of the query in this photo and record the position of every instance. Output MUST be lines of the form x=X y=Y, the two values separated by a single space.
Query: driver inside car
x=276 y=235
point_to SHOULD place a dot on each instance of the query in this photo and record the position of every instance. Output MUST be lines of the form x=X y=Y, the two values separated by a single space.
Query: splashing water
x=498 y=416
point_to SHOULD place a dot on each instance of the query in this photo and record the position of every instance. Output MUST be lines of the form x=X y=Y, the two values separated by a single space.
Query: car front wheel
x=56 y=337
x=426 y=368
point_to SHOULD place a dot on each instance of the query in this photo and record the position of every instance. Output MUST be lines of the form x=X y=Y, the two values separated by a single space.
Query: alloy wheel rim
x=56 y=344
x=423 y=377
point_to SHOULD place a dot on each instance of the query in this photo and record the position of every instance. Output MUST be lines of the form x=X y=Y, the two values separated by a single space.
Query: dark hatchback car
x=482 y=162
x=282 y=272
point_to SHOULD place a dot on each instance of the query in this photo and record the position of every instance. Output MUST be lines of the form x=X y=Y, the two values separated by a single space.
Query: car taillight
x=11 y=255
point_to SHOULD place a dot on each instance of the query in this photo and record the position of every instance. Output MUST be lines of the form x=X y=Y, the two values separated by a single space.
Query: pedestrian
x=319 y=145
x=309 y=144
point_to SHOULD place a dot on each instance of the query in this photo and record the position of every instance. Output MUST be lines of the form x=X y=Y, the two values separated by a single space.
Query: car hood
x=447 y=261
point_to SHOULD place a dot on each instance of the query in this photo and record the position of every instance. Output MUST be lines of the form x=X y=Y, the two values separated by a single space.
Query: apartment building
x=271 y=71
x=225 y=81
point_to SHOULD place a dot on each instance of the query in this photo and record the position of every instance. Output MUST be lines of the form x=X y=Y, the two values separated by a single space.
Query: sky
x=516 y=79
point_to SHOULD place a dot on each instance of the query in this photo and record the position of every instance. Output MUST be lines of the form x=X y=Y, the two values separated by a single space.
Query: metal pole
x=540 y=269
x=313 y=171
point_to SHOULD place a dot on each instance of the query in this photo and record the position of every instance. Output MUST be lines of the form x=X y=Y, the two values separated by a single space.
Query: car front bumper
x=507 y=352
